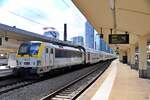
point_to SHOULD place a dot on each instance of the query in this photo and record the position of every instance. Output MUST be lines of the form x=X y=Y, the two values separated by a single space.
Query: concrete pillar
x=132 y=59
x=120 y=56
x=128 y=55
x=142 y=57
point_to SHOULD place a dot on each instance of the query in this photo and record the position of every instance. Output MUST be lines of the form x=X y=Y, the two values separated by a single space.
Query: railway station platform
x=3 y=67
x=5 y=71
x=118 y=82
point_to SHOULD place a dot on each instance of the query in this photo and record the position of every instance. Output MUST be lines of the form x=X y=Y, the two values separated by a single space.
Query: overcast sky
x=33 y=15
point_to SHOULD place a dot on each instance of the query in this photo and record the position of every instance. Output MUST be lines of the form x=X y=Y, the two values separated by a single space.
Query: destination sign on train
x=119 y=38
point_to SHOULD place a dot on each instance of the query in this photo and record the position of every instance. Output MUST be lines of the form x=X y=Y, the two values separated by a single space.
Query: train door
x=46 y=57
x=51 y=57
x=88 y=57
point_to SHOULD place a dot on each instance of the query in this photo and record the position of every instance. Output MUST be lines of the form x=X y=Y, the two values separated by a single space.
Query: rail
x=72 y=90
x=6 y=72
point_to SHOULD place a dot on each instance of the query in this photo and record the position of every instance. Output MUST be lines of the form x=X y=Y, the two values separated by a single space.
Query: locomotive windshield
x=31 y=49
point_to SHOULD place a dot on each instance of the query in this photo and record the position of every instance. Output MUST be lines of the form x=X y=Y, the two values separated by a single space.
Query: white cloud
x=45 y=12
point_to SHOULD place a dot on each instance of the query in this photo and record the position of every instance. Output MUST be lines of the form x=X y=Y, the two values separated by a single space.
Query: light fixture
x=1 y=55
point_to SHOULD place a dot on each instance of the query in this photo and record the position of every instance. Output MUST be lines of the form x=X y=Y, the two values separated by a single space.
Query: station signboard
x=119 y=39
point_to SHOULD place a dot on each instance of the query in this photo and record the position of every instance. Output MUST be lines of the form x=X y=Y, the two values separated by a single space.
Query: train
x=36 y=57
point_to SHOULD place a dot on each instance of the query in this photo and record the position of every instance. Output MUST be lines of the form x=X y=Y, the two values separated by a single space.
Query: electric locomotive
x=41 y=57
x=37 y=57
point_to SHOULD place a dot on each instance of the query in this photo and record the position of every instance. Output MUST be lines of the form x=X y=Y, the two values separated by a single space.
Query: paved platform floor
x=3 y=67
x=119 y=82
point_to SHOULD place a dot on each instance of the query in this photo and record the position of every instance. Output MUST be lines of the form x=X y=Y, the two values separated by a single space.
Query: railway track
x=7 y=82
x=72 y=90
x=69 y=91
x=14 y=84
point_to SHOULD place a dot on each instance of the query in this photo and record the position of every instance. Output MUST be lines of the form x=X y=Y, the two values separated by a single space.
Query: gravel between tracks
x=40 y=89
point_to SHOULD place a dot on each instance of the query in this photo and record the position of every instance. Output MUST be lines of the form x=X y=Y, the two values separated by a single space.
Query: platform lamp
x=111 y=31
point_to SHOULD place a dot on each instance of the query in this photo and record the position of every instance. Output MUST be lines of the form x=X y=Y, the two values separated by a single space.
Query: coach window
x=51 y=51
x=46 y=50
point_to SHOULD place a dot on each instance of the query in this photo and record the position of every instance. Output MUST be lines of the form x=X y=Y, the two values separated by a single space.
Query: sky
x=33 y=15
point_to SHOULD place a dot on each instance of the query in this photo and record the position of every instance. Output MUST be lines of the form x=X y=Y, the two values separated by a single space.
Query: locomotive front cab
x=29 y=57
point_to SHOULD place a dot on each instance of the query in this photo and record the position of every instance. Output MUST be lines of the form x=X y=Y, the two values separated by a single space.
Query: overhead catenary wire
x=26 y=18
x=66 y=3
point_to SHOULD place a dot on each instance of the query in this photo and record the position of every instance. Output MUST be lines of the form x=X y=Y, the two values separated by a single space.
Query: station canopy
x=23 y=35
x=132 y=16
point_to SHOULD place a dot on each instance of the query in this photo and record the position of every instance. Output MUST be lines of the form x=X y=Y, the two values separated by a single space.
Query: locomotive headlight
x=38 y=62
